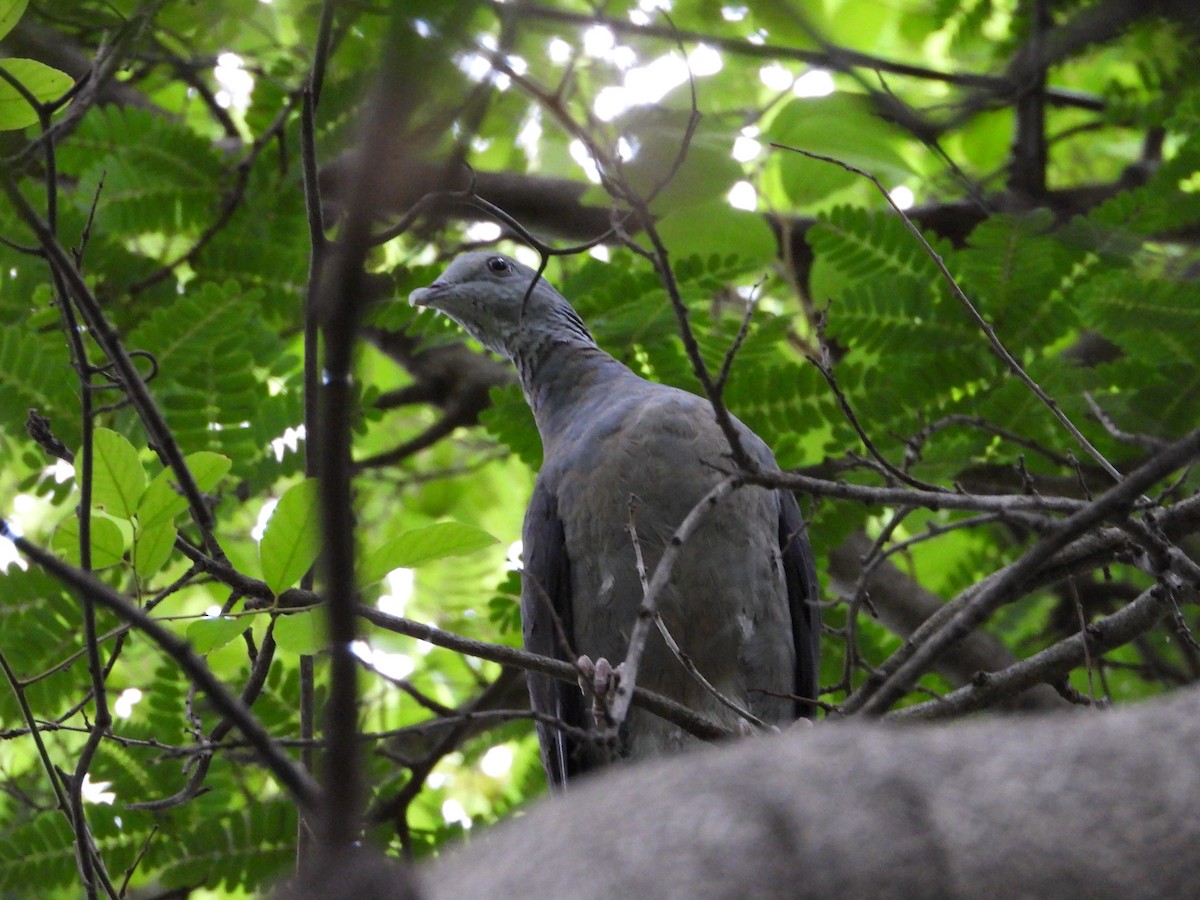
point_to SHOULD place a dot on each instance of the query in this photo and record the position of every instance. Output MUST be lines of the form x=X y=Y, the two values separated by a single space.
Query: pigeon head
x=489 y=295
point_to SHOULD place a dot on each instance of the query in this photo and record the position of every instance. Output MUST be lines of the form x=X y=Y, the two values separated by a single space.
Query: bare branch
x=1051 y=664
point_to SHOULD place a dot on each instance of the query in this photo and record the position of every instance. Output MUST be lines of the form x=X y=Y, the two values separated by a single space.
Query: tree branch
x=1049 y=665
x=839 y=811
x=1115 y=502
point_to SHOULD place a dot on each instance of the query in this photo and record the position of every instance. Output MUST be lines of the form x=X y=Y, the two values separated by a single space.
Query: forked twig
x=654 y=590
x=684 y=659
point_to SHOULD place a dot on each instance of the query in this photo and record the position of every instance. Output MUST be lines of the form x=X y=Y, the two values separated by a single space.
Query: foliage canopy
x=182 y=179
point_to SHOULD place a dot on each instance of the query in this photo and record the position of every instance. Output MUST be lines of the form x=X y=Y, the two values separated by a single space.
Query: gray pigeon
x=742 y=599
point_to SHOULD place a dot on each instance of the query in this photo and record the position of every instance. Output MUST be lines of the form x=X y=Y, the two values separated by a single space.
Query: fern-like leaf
x=167 y=181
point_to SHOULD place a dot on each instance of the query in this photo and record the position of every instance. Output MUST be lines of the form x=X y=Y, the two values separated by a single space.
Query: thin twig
x=891 y=472
x=895 y=496
x=916 y=441
x=989 y=332
x=1146 y=441
x=819 y=58
x=739 y=338
x=92 y=869
x=310 y=96
x=250 y=692
x=870 y=560
x=658 y=583
x=684 y=659
x=690 y=666
x=1088 y=664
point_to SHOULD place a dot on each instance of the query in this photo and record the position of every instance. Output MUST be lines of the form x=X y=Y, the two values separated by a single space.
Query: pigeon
x=624 y=462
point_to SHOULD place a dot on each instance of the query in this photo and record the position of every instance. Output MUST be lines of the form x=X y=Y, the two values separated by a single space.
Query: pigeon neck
x=559 y=375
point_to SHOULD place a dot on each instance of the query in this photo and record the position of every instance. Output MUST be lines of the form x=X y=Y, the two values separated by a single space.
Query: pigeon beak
x=427 y=296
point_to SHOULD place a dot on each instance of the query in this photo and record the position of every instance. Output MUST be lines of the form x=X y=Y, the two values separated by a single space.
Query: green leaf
x=842 y=126
x=237 y=850
x=162 y=502
x=289 y=544
x=152 y=548
x=118 y=478
x=422 y=545
x=213 y=339
x=35 y=366
x=161 y=180
x=707 y=171
x=301 y=633
x=808 y=181
x=10 y=14
x=43 y=82
x=209 y=634
x=716 y=227
x=108 y=541
x=509 y=419
x=208 y=468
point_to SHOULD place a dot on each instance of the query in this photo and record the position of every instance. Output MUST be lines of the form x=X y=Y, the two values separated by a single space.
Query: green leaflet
x=423 y=545
x=289 y=545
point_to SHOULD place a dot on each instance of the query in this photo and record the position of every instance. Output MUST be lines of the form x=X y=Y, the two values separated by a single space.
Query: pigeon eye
x=499 y=265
